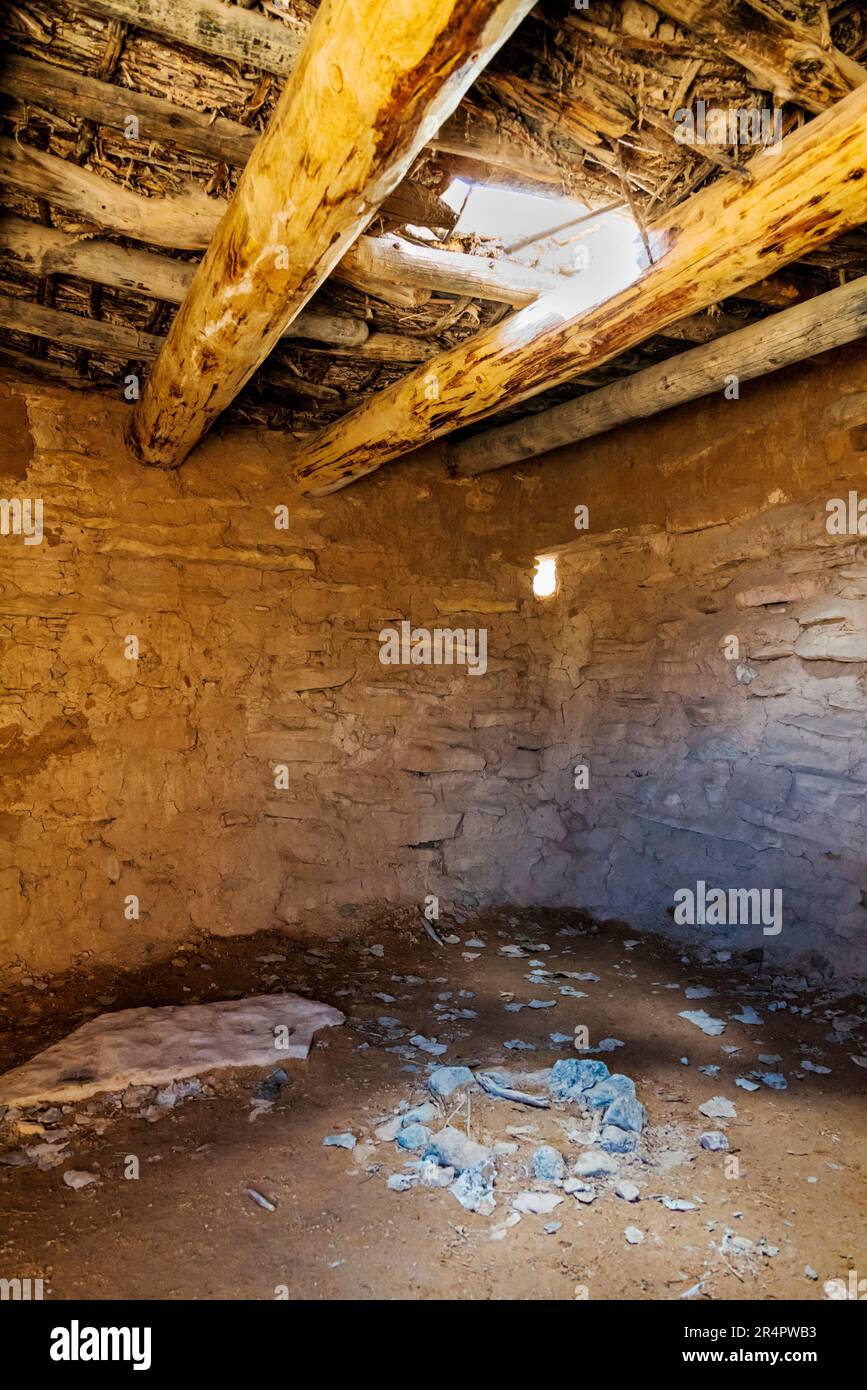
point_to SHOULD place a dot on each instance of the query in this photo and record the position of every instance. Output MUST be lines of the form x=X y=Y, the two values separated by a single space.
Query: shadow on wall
x=204 y=737
x=721 y=710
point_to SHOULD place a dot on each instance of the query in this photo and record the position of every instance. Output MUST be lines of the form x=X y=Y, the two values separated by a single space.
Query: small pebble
x=76 y=1179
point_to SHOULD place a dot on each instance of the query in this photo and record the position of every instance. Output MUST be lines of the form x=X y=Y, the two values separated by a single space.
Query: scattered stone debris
x=548 y=1164
x=718 y=1108
x=536 y=1203
x=429 y=1045
x=742 y=1252
x=444 y=1081
x=413 y=1137
x=702 y=1019
x=593 y=1163
x=747 y=1015
x=773 y=1079
x=449 y=1157
x=714 y=1141
x=588 y=1138
x=340 y=1141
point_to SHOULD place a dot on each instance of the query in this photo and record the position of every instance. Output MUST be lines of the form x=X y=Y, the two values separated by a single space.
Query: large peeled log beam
x=828 y=321
x=374 y=79
x=41 y=251
x=782 y=55
x=713 y=245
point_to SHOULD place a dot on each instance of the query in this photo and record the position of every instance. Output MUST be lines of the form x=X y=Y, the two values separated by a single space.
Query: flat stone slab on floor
x=151 y=1047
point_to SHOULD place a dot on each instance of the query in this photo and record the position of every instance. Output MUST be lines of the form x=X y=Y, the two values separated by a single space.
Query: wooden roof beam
x=133 y=344
x=374 y=79
x=39 y=251
x=386 y=267
x=713 y=245
x=274 y=46
x=782 y=56
x=825 y=322
x=225 y=31
x=186 y=222
x=75 y=94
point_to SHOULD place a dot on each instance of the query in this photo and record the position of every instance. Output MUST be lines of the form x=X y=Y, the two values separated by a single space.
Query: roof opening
x=597 y=251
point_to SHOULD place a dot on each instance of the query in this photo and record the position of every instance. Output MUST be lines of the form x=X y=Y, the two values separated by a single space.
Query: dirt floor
x=186 y=1228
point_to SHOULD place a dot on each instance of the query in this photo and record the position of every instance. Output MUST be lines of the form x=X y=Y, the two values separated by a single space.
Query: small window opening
x=545 y=578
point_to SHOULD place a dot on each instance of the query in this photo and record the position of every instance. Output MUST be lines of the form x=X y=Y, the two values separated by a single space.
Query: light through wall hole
x=545 y=578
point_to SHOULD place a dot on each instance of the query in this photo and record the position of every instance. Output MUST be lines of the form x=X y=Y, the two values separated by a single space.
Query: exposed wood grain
x=39 y=250
x=210 y=137
x=481 y=277
x=181 y=221
x=713 y=245
x=386 y=267
x=478 y=135
x=825 y=322
x=782 y=55
x=117 y=340
x=76 y=94
x=226 y=31
x=389 y=347
x=373 y=80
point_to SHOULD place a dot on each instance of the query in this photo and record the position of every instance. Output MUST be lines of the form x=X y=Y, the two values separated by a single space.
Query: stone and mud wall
x=197 y=733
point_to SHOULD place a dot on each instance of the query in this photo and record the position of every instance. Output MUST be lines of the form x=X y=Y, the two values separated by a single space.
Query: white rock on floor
x=152 y=1047
x=718 y=1108
x=593 y=1163
x=76 y=1178
x=536 y=1203
x=702 y=1019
